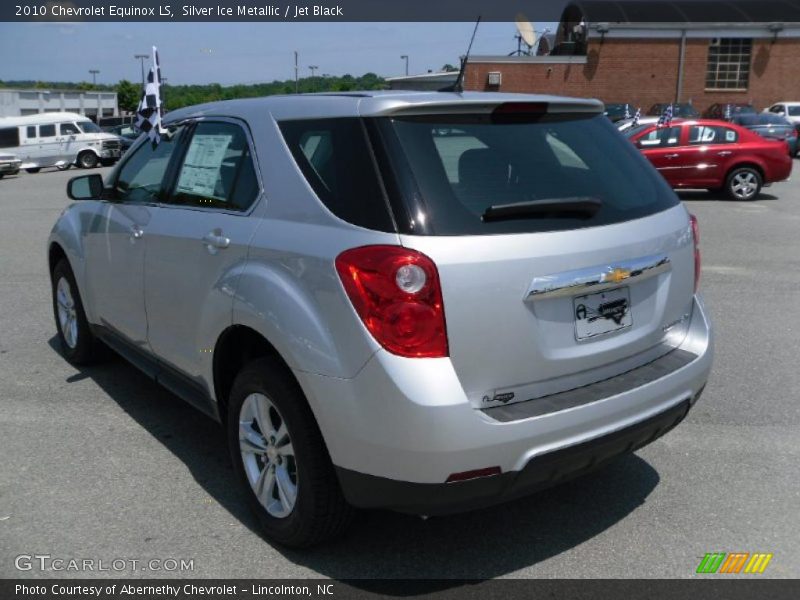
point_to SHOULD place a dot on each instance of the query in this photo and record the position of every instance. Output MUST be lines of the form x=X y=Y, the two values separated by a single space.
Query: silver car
x=427 y=302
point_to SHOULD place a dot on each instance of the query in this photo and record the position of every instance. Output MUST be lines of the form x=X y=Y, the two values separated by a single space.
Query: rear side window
x=705 y=134
x=794 y=111
x=9 y=137
x=451 y=170
x=47 y=130
x=217 y=171
x=335 y=157
x=31 y=131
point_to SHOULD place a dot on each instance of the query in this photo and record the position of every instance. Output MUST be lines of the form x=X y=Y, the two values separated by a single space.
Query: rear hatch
x=564 y=258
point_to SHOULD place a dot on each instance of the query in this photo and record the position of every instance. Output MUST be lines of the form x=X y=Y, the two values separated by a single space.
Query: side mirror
x=85 y=187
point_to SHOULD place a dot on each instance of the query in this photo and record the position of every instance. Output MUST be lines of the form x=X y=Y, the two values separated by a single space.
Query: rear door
x=198 y=241
x=544 y=302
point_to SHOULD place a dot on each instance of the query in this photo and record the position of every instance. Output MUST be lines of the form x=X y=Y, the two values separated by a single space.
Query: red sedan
x=713 y=155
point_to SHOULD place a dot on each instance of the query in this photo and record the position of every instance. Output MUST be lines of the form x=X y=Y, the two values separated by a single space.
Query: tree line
x=178 y=96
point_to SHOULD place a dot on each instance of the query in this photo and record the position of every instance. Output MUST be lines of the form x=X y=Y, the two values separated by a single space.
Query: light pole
x=296 y=75
x=405 y=58
x=140 y=58
x=94 y=73
x=313 y=68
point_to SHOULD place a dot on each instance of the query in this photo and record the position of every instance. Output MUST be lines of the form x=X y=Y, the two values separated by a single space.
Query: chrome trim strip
x=597 y=279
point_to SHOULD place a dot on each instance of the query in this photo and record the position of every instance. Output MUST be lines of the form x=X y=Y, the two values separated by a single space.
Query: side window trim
x=174 y=169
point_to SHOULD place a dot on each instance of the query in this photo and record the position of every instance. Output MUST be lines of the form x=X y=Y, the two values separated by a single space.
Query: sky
x=229 y=53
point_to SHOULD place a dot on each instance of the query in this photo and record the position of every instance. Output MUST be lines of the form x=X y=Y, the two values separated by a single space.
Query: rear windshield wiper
x=582 y=207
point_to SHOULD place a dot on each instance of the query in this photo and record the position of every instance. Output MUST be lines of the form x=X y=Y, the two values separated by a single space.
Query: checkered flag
x=665 y=120
x=636 y=117
x=149 y=111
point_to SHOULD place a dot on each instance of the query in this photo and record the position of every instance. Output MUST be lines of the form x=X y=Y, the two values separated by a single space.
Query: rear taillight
x=696 y=240
x=396 y=293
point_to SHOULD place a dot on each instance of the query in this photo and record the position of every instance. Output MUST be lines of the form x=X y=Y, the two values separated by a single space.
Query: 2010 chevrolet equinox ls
x=427 y=302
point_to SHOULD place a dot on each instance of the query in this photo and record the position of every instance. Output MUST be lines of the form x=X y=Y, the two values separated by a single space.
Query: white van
x=57 y=139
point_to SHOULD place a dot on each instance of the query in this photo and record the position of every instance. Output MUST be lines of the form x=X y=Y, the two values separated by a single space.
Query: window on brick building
x=729 y=64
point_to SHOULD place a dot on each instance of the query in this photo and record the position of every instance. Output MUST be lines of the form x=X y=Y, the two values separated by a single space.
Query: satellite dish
x=525 y=29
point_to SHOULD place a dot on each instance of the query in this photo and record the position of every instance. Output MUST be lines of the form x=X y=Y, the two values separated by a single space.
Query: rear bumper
x=401 y=427
x=541 y=472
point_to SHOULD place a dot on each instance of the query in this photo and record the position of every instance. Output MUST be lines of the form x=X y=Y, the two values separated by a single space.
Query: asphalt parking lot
x=103 y=464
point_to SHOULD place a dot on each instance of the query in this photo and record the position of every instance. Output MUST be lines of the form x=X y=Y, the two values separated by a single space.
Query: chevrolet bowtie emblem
x=617 y=275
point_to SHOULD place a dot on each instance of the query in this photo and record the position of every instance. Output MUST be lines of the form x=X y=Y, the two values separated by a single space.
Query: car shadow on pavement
x=709 y=196
x=478 y=545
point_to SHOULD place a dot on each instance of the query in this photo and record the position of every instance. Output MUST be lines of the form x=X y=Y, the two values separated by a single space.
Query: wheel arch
x=746 y=164
x=55 y=253
x=236 y=346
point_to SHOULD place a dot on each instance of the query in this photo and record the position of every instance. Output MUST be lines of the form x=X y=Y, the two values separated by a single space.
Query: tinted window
x=68 y=129
x=31 y=131
x=217 y=170
x=47 y=130
x=661 y=137
x=451 y=170
x=705 y=134
x=794 y=111
x=336 y=160
x=141 y=176
x=9 y=137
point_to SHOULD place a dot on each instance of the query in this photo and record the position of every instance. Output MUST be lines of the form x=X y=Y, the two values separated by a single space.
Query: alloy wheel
x=67 y=313
x=744 y=185
x=268 y=455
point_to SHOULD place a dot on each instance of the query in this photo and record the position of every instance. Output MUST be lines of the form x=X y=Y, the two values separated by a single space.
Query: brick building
x=646 y=63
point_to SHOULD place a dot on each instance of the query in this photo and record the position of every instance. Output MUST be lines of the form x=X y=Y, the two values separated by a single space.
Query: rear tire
x=33 y=170
x=280 y=458
x=87 y=160
x=744 y=184
x=78 y=343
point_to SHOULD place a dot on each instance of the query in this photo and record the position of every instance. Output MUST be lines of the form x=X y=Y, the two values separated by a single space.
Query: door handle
x=215 y=240
x=136 y=232
x=724 y=153
x=671 y=155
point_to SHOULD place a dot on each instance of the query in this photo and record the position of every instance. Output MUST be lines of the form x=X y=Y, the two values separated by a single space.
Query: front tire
x=33 y=170
x=78 y=344
x=87 y=159
x=280 y=457
x=743 y=183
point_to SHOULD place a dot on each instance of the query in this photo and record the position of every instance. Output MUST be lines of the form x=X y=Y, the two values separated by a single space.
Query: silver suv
x=427 y=302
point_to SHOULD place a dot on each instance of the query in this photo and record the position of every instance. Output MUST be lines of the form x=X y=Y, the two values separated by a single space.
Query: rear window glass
x=452 y=169
x=336 y=160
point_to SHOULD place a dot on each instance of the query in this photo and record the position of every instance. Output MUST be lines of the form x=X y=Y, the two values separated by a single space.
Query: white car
x=58 y=139
x=790 y=110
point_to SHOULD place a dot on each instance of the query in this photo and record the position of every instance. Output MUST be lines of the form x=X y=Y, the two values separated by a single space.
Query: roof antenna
x=458 y=86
